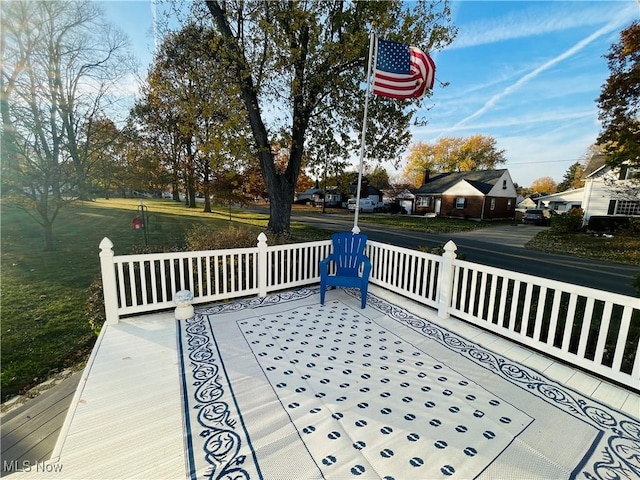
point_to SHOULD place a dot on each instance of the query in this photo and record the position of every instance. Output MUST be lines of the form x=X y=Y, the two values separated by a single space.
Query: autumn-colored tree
x=253 y=182
x=453 y=154
x=544 y=185
x=305 y=182
x=182 y=103
x=228 y=189
x=144 y=170
x=619 y=102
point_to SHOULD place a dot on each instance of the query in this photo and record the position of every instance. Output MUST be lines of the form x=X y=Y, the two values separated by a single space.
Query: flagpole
x=372 y=55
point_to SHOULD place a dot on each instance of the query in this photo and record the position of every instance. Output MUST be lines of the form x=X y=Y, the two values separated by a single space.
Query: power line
x=546 y=161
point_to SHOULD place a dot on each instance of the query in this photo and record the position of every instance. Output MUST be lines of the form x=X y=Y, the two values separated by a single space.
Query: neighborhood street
x=501 y=247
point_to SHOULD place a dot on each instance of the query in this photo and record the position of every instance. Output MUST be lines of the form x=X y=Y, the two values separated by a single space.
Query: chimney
x=426 y=176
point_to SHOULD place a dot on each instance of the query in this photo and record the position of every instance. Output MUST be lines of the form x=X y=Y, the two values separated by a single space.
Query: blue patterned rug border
x=227 y=450
x=256 y=302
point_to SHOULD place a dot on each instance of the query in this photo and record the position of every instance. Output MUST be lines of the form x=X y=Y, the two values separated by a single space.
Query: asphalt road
x=500 y=247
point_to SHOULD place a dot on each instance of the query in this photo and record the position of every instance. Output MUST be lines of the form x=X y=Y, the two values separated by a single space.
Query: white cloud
x=542 y=19
x=612 y=25
x=528 y=118
x=548 y=154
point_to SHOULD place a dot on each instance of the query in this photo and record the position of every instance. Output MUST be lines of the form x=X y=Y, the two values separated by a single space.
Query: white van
x=366 y=205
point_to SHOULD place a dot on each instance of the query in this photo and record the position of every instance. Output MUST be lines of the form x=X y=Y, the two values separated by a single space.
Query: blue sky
x=526 y=73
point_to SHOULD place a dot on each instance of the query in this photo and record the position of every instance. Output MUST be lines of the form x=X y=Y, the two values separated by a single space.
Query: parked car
x=366 y=205
x=535 y=217
x=137 y=193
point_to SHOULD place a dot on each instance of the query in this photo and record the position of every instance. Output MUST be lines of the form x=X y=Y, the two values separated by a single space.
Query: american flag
x=402 y=71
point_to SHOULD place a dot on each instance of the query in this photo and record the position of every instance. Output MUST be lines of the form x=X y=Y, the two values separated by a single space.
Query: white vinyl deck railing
x=591 y=329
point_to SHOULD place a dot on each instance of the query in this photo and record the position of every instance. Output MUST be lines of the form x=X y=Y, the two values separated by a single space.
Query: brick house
x=481 y=195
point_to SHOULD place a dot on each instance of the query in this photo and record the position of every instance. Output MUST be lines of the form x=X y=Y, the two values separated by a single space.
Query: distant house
x=610 y=191
x=481 y=194
x=333 y=197
x=406 y=199
x=523 y=204
x=368 y=191
x=562 y=202
x=606 y=191
x=310 y=195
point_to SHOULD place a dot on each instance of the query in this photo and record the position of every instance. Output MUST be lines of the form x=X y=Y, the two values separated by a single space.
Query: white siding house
x=610 y=191
x=606 y=191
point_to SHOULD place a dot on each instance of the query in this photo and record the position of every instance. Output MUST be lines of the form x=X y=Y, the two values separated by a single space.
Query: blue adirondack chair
x=350 y=261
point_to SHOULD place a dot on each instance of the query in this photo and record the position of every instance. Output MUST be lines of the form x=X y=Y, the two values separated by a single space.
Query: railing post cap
x=262 y=238
x=450 y=246
x=106 y=244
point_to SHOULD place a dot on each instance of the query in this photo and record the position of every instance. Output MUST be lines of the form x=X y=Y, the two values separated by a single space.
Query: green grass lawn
x=43 y=298
x=620 y=248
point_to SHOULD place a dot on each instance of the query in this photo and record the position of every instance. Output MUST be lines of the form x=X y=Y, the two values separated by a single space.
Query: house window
x=628 y=207
x=460 y=203
x=627 y=172
x=493 y=204
x=631 y=172
x=504 y=184
x=423 y=201
x=509 y=204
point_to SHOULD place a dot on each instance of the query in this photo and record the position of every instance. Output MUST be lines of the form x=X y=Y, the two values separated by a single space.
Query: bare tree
x=60 y=63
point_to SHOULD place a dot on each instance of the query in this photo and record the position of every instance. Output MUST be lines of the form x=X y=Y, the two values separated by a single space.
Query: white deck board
x=126 y=418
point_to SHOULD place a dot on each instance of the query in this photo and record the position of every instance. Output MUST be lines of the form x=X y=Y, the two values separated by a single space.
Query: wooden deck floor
x=30 y=432
x=128 y=407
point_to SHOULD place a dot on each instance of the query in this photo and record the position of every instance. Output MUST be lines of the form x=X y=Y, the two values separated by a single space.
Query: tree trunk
x=281 y=193
x=49 y=243
x=279 y=186
x=206 y=187
x=190 y=176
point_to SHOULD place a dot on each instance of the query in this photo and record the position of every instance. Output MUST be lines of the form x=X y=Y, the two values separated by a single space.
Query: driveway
x=508 y=235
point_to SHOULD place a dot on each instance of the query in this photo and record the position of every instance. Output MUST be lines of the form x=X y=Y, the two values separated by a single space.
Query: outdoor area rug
x=281 y=387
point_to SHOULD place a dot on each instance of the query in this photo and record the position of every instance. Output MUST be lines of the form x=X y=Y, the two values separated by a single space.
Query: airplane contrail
x=614 y=24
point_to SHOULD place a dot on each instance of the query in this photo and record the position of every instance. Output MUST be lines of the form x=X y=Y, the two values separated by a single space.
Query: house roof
x=311 y=191
x=481 y=180
x=575 y=193
x=526 y=202
x=595 y=163
x=370 y=190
